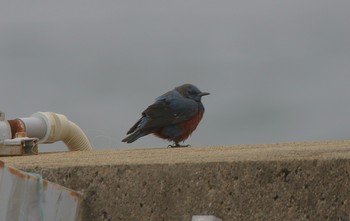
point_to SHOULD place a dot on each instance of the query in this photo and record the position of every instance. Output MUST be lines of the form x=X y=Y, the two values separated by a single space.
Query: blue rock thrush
x=173 y=116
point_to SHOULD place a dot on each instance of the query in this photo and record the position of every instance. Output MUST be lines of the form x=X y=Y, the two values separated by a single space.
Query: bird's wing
x=169 y=111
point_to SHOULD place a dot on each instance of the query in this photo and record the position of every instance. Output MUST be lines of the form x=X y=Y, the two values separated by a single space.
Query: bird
x=173 y=116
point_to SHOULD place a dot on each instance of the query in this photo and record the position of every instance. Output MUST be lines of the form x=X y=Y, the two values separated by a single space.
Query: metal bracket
x=19 y=146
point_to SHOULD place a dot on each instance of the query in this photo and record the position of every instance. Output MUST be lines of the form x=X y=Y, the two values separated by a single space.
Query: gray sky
x=277 y=71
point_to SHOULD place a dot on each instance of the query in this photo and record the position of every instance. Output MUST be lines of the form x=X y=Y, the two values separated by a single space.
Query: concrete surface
x=293 y=181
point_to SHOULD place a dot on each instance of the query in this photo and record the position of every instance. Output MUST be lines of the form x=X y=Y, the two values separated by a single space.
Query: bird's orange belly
x=189 y=126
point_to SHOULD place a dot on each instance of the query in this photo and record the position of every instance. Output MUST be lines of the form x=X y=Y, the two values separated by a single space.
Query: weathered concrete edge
x=233 y=153
x=309 y=182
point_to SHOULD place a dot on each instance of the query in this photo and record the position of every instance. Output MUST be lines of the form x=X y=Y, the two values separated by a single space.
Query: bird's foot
x=176 y=144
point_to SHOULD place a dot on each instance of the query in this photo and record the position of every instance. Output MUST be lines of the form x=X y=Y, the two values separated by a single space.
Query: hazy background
x=277 y=71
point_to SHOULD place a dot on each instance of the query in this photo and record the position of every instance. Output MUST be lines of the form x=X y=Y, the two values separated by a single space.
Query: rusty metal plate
x=26 y=196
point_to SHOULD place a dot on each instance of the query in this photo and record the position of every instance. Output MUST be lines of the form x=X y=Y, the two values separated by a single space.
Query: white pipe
x=5 y=130
x=58 y=127
x=48 y=127
x=2 y=116
x=34 y=127
x=76 y=140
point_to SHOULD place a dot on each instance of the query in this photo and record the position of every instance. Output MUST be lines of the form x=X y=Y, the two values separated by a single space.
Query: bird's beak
x=203 y=94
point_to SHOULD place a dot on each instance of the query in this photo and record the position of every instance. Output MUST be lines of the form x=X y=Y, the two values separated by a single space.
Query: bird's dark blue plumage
x=173 y=116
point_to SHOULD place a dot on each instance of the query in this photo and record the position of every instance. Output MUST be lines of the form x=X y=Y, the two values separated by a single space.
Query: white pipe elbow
x=76 y=140
x=58 y=127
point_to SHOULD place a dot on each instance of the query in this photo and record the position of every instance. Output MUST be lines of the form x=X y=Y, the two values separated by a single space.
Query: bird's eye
x=191 y=92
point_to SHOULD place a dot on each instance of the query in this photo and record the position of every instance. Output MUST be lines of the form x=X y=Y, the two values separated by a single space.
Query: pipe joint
x=47 y=127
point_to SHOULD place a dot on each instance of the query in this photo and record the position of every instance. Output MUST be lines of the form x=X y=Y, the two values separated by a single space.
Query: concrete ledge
x=294 y=181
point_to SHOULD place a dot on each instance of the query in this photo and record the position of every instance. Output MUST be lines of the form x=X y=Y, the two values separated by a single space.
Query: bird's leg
x=176 y=144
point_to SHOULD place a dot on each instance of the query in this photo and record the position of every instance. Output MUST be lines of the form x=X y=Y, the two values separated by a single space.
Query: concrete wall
x=295 y=181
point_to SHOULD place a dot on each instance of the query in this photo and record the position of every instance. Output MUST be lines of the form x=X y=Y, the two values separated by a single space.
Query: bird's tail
x=132 y=137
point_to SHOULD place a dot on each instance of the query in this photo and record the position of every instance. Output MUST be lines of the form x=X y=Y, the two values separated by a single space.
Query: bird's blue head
x=190 y=91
